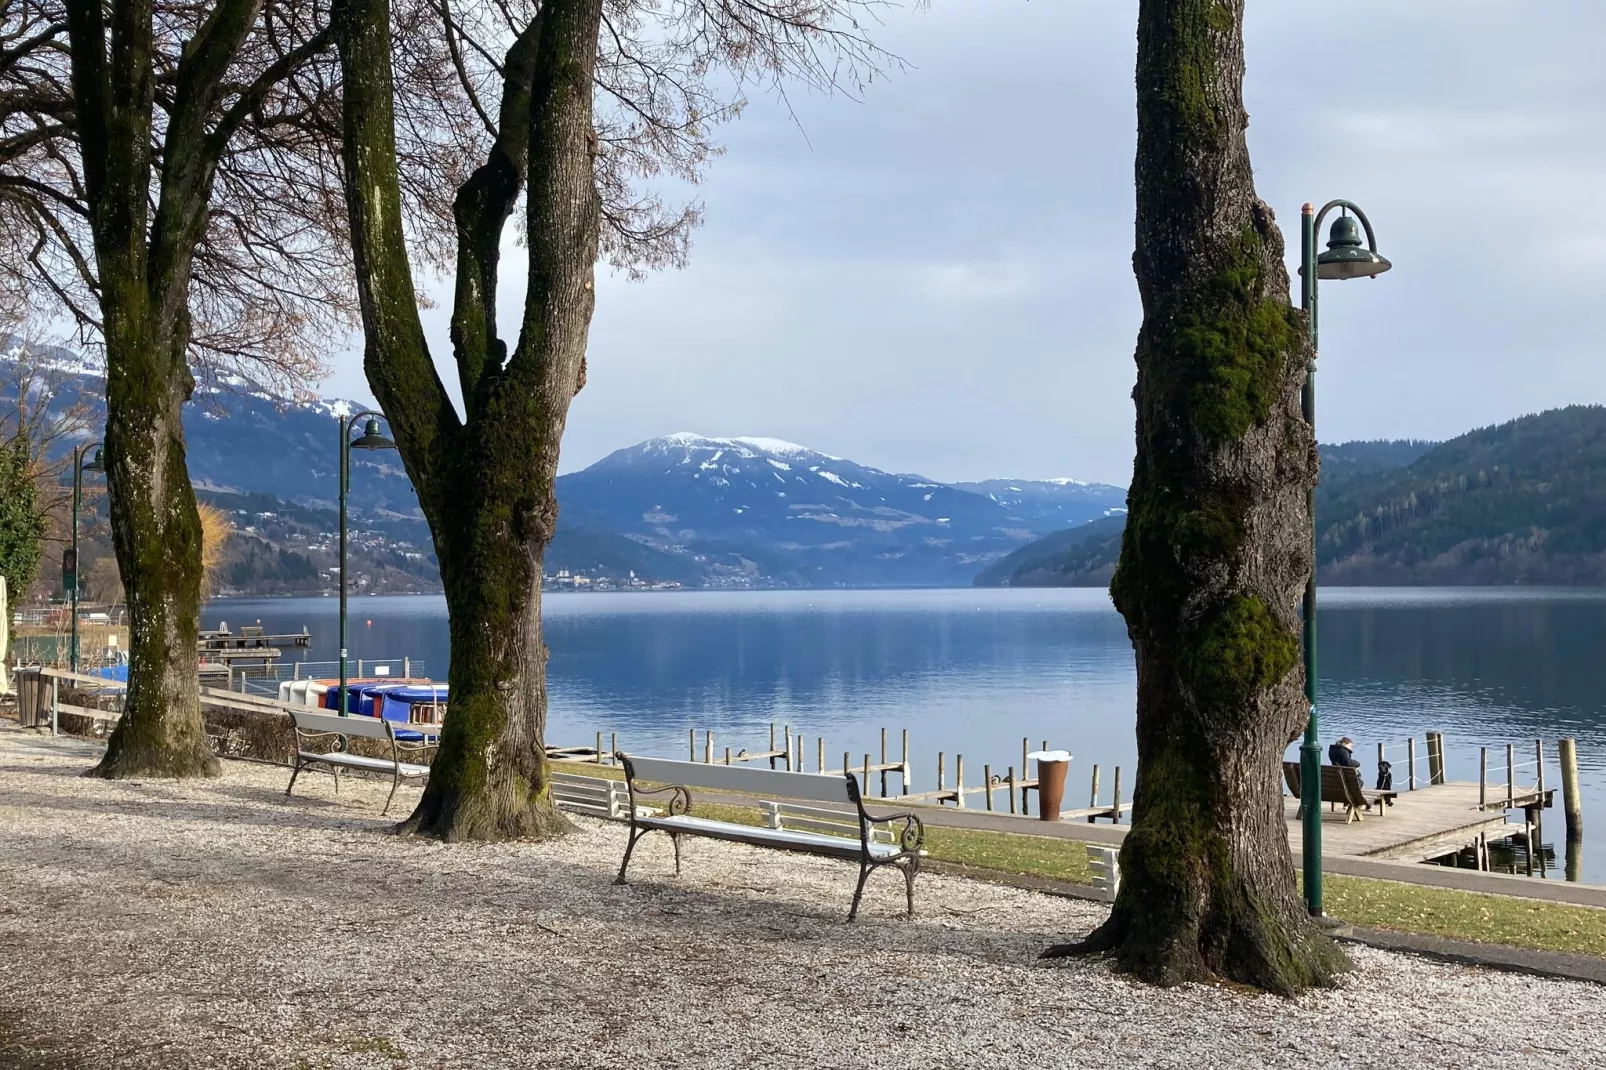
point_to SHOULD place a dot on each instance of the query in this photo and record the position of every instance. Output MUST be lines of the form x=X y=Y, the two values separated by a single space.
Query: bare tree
x=1217 y=544
x=576 y=100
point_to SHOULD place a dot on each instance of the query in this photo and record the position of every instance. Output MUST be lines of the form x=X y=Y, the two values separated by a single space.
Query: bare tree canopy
x=576 y=101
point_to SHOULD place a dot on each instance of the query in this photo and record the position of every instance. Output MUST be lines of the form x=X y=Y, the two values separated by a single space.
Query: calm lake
x=972 y=672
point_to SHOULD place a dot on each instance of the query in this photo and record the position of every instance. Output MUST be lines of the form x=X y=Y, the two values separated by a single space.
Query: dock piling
x=1115 y=805
x=1010 y=780
x=1511 y=770
x=1435 y=758
x=692 y=738
x=708 y=748
x=867 y=777
x=941 y=783
x=1483 y=779
x=959 y=780
x=987 y=778
x=727 y=755
x=819 y=764
x=1572 y=804
x=883 y=762
x=1093 y=799
x=1410 y=764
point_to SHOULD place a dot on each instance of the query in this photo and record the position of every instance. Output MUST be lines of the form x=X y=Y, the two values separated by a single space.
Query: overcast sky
x=938 y=278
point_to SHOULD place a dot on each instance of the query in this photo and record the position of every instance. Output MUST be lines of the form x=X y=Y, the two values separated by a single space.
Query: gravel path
x=163 y=924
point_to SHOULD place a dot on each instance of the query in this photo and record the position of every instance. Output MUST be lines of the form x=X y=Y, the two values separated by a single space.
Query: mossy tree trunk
x=144 y=261
x=486 y=480
x=1218 y=537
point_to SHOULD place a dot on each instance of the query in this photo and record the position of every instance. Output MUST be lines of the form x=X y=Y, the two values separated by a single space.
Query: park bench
x=1341 y=785
x=854 y=834
x=405 y=740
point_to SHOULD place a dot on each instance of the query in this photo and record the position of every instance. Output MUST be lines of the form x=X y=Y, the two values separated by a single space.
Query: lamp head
x=1346 y=256
x=371 y=438
x=96 y=463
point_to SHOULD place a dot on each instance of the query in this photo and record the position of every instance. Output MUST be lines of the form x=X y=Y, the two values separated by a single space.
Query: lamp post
x=69 y=572
x=1344 y=258
x=370 y=439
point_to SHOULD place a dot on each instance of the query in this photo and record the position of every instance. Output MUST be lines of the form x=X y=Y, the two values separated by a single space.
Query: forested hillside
x=1520 y=503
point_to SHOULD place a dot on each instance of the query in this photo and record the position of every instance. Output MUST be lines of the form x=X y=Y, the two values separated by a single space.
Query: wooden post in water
x=1093 y=800
x=940 y=778
x=1511 y=772
x=599 y=748
x=1025 y=774
x=819 y=758
x=1435 y=758
x=847 y=764
x=771 y=746
x=1571 y=803
x=613 y=746
x=867 y=776
x=987 y=781
x=1379 y=760
x=1483 y=778
x=959 y=780
x=1539 y=794
x=708 y=748
x=1011 y=782
x=727 y=755
x=883 y=762
x=907 y=768
x=692 y=737
x=1410 y=764
x=1115 y=807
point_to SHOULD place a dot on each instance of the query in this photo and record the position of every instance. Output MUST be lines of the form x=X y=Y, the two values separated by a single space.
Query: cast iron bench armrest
x=914 y=829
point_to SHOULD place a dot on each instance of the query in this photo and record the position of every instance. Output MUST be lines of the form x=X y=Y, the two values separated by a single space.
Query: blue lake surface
x=973 y=672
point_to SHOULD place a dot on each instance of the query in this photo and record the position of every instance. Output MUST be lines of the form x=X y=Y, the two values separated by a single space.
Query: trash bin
x=1052 y=765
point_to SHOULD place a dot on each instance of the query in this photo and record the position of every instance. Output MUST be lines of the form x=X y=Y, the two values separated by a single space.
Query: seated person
x=1341 y=754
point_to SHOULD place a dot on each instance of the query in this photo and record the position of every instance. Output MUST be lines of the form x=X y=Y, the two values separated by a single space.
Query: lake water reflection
x=975 y=671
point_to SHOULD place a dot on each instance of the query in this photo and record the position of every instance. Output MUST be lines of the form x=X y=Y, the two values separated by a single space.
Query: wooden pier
x=1430 y=822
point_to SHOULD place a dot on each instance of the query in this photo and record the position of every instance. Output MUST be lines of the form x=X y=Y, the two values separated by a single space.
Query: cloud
x=938 y=278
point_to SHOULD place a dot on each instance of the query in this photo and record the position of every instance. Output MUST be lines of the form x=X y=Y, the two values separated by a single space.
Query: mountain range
x=1523 y=502
x=697 y=510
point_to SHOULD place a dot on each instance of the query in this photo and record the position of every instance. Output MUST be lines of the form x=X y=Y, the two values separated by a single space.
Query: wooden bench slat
x=759 y=836
x=815 y=787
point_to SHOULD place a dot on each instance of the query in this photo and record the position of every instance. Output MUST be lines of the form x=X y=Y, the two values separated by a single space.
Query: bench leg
x=910 y=870
x=336 y=769
x=294 y=773
x=674 y=838
x=635 y=834
x=395 y=782
x=858 y=893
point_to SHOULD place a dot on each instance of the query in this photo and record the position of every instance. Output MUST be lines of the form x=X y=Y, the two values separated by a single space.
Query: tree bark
x=1218 y=538
x=486 y=482
x=144 y=264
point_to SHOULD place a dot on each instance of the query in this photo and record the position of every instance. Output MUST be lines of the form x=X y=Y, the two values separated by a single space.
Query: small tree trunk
x=157 y=536
x=1217 y=544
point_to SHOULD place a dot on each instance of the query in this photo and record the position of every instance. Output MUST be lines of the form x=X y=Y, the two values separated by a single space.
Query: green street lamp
x=1344 y=258
x=370 y=439
x=69 y=568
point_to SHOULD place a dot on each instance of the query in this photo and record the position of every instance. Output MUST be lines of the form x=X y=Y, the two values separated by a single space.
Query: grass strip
x=1381 y=904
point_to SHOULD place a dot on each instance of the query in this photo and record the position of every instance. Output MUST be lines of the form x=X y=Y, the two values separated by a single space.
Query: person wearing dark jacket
x=1340 y=754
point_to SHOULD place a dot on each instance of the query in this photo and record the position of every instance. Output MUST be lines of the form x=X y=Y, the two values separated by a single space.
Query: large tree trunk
x=1218 y=538
x=487 y=482
x=156 y=532
x=144 y=261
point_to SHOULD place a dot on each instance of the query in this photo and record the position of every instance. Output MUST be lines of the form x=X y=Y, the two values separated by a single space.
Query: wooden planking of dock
x=1422 y=824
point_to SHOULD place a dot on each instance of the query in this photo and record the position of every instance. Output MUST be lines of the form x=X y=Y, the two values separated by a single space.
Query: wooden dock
x=1429 y=822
